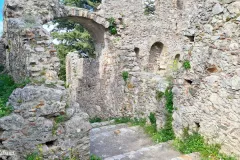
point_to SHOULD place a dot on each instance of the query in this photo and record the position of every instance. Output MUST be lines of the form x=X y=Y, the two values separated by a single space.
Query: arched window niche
x=154 y=57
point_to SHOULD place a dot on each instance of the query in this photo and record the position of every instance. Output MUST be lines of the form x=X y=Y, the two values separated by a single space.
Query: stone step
x=114 y=140
x=161 y=151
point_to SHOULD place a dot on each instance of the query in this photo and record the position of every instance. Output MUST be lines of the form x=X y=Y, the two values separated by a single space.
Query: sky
x=1 y=16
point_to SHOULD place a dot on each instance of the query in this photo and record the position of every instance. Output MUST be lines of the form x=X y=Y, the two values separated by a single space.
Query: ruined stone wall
x=30 y=51
x=152 y=49
x=33 y=126
x=207 y=96
x=145 y=47
x=2 y=55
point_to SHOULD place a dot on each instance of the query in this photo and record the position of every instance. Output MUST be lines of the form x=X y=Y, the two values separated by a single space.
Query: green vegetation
x=132 y=121
x=186 y=64
x=33 y=156
x=75 y=39
x=149 y=7
x=7 y=85
x=159 y=95
x=61 y=118
x=38 y=155
x=138 y=122
x=125 y=76
x=112 y=26
x=57 y=121
x=166 y=133
x=95 y=119
x=94 y=157
x=195 y=143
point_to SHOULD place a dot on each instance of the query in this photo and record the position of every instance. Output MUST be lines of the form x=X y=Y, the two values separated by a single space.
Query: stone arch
x=95 y=24
x=83 y=74
x=155 y=52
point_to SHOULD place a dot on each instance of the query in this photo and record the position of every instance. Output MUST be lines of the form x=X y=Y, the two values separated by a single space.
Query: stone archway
x=83 y=74
x=95 y=24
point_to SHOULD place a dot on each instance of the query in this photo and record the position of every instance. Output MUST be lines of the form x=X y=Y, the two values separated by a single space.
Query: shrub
x=4 y=109
x=7 y=85
x=186 y=64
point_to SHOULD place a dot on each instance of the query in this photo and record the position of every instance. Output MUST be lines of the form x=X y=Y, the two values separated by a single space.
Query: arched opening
x=81 y=65
x=155 y=53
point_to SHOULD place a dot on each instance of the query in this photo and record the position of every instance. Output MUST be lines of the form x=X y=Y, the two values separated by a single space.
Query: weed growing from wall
x=186 y=64
x=37 y=155
x=166 y=133
x=125 y=76
x=57 y=121
x=95 y=120
x=112 y=26
x=94 y=157
x=195 y=143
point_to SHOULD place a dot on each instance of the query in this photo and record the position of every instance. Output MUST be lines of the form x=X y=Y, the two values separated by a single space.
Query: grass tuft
x=195 y=143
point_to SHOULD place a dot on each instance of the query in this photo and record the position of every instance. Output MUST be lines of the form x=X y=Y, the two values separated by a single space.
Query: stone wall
x=2 y=55
x=207 y=96
x=151 y=48
x=33 y=125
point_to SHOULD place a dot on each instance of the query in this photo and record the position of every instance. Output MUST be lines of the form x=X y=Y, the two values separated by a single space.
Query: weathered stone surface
x=217 y=9
x=213 y=109
x=151 y=48
x=32 y=124
x=2 y=55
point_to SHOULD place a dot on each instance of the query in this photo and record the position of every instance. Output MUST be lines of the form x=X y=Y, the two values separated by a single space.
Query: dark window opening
x=50 y=143
x=177 y=57
x=197 y=125
x=188 y=81
x=191 y=38
x=136 y=50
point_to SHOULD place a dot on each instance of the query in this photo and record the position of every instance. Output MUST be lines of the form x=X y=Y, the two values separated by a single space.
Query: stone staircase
x=121 y=142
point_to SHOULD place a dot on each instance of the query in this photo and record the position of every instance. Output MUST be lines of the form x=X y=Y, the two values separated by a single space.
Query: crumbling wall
x=207 y=96
x=151 y=47
x=34 y=126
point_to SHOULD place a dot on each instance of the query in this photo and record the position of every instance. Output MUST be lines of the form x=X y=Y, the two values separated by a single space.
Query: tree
x=73 y=36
